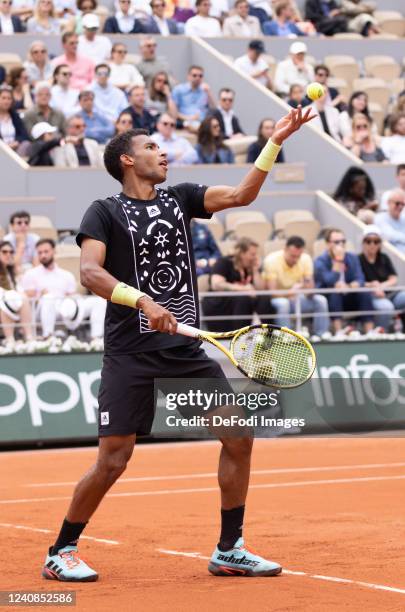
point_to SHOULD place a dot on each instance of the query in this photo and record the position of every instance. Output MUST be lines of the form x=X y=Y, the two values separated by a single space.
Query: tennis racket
x=270 y=355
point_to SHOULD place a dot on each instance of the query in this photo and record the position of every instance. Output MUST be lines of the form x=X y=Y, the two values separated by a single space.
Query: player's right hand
x=159 y=318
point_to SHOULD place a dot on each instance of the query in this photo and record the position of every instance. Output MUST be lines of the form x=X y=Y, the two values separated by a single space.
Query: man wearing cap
x=294 y=70
x=254 y=65
x=43 y=135
x=95 y=46
x=42 y=112
x=381 y=275
x=392 y=221
x=98 y=126
x=81 y=66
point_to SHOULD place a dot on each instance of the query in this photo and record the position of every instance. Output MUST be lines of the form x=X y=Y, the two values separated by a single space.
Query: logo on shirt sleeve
x=153 y=211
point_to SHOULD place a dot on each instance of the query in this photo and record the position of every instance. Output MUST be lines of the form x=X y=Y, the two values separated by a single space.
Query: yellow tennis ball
x=315 y=91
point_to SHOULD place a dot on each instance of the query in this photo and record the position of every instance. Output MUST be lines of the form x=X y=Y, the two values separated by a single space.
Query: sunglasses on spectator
x=7 y=252
x=159 y=5
x=78 y=126
x=372 y=241
x=168 y=123
x=6 y=2
x=197 y=75
x=150 y=45
x=121 y=51
x=363 y=126
x=22 y=222
x=226 y=99
x=321 y=74
x=38 y=51
x=102 y=73
x=398 y=204
x=216 y=126
x=66 y=73
x=340 y=241
x=162 y=80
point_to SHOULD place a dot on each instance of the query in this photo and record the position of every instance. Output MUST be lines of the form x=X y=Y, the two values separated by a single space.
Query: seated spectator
x=65 y=8
x=224 y=113
x=356 y=191
x=206 y=252
x=141 y=118
x=342 y=270
x=48 y=284
x=158 y=23
x=240 y=272
x=178 y=150
x=98 y=127
x=64 y=97
x=123 y=75
x=294 y=70
x=44 y=141
x=400 y=176
x=76 y=150
x=380 y=274
x=394 y=146
x=297 y=96
x=123 y=123
x=18 y=81
x=44 y=20
x=42 y=111
x=261 y=9
x=327 y=17
x=202 y=24
x=210 y=146
x=307 y=27
x=397 y=108
x=9 y=24
x=22 y=240
x=327 y=118
x=193 y=99
x=92 y=45
x=159 y=97
x=332 y=96
x=150 y=63
x=12 y=129
x=82 y=67
x=358 y=103
x=264 y=132
x=253 y=64
x=360 y=17
x=108 y=100
x=83 y=7
x=391 y=222
x=291 y=270
x=24 y=9
x=38 y=66
x=15 y=308
x=241 y=23
x=364 y=144
x=283 y=24
x=124 y=21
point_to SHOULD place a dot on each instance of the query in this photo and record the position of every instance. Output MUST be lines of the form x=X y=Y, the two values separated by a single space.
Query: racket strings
x=274 y=357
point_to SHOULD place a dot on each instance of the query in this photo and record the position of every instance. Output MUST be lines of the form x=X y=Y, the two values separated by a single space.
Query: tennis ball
x=315 y=91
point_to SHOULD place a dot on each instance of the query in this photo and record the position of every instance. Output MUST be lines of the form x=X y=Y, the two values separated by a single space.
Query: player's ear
x=126 y=160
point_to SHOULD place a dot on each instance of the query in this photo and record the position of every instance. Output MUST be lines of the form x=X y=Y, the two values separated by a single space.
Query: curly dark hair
x=7 y=273
x=208 y=142
x=120 y=145
x=343 y=190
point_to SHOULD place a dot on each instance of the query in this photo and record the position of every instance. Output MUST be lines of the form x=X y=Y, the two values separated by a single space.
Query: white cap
x=90 y=21
x=298 y=47
x=10 y=303
x=41 y=128
x=372 y=229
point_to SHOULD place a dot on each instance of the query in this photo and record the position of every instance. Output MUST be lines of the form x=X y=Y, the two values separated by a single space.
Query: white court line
x=369 y=585
x=326 y=468
x=273 y=485
x=37 y=530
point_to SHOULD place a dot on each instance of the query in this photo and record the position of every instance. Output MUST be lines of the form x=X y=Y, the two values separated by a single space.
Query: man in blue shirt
x=206 y=251
x=97 y=127
x=282 y=25
x=193 y=99
x=342 y=270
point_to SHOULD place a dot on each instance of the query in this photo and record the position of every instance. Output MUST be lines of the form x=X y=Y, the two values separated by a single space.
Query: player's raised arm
x=221 y=197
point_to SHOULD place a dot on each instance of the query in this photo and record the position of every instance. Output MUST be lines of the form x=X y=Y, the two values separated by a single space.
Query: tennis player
x=136 y=252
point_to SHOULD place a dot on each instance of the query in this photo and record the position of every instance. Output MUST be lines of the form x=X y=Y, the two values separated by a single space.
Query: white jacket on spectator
x=202 y=26
x=332 y=119
x=236 y=26
x=287 y=74
x=394 y=148
x=66 y=156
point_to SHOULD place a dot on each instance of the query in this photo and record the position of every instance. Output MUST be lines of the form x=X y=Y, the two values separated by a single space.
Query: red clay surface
x=350 y=530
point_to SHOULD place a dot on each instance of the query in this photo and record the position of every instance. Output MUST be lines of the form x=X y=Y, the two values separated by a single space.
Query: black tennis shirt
x=148 y=246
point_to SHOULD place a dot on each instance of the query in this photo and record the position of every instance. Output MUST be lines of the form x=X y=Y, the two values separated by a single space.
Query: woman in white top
x=64 y=98
x=12 y=129
x=358 y=103
x=38 y=66
x=123 y=75
x=44 y=20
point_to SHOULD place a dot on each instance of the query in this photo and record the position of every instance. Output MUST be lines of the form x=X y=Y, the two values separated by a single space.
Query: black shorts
x=126 y=395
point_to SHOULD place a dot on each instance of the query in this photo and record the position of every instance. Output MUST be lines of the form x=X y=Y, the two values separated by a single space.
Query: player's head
x=293 y=250
x=134 y=152
x=46 y=251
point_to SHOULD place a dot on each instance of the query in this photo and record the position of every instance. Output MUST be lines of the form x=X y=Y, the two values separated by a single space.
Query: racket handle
x=187 y=330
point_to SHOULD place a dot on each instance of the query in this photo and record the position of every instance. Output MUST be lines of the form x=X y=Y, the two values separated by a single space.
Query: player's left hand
x=290 y=123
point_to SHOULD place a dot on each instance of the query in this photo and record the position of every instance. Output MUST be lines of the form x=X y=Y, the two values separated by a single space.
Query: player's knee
x=238 y=447
x=113 y=465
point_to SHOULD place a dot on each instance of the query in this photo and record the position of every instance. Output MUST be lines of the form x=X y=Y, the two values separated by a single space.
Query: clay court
x=330 y=510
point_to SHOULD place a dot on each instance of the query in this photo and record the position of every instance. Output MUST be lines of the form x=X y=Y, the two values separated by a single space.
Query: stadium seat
x=343 y=67
x=102 y=12
x=10 y=60
x=2 y=232
x=259 y=230
x=282 y=217
x=270 y=246
x=44 y=227
x=215 y=226
x=377 y=113
x=67 y=256
x=318 y=247
x=397 y=85
x=203 y=282
x=233 y=218
x=226 y=247
x=272 y=64
x=308 y=230
x=239 y=147
x=391 y=22
x=341 y=85
x=133 y=58
x=348 y=36
x=382 y=67
x=376 y=89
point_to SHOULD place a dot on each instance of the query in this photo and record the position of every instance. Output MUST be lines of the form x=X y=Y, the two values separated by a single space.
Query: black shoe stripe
x=50 y=564
x=59 y=571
